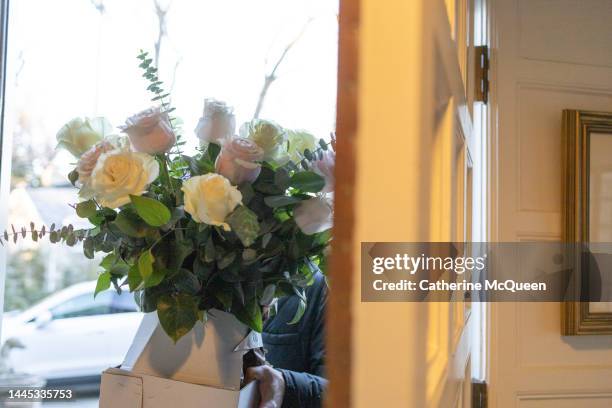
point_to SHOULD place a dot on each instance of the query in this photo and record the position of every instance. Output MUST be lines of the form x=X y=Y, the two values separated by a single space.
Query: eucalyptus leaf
x=86 y=209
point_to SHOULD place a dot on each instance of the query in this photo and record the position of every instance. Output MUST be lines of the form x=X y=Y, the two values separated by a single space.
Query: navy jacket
x=298 y=350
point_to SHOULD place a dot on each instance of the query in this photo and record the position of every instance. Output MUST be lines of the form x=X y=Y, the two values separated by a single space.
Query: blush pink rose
x=150 y=131
x=238 y=160
x=89 y=159
x=314 y=215
x=325 y=168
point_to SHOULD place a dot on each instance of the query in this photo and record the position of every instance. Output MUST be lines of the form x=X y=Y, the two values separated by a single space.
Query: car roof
x=57 y=298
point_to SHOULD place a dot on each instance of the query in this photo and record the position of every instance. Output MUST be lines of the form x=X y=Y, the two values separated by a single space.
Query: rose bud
x=150 y=131
x=217 y=124
x=238 y=160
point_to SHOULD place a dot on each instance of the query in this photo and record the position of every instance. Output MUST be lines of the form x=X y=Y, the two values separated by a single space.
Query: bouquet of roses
x=244 y=221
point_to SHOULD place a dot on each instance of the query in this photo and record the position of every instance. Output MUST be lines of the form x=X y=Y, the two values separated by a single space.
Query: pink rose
x=150 y=131
x=314 y=215
x=238 y=160
x=217 y=124
x=89 y=159
x=325 y=168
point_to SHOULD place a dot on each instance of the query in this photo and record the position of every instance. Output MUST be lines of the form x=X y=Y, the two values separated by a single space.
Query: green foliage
x=177 y=313
x=151 y=211
x=244 y=223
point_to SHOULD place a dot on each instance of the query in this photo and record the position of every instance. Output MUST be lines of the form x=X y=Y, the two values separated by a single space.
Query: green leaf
x=244 y=223
x=130 y=225
x=134 y=278
x=177 y=314
x=151 y=211
x=86 y=209
x=281 y=201
x=104 y=282
x=250 y=314
x=299 y=312
x=156 y=277
x=145 y=265
x=307 y=181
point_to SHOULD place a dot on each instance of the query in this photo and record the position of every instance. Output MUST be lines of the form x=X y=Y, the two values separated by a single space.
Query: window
x=83 y=305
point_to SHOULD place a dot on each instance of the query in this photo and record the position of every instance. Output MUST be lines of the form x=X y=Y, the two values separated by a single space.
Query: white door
x=548 y=56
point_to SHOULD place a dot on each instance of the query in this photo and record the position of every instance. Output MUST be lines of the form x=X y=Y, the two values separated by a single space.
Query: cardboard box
x=209 y=354
x=203 y=369
x=123 y=389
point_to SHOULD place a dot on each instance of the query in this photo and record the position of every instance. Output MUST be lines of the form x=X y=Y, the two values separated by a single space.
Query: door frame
x=5 y=148
x=339 y=321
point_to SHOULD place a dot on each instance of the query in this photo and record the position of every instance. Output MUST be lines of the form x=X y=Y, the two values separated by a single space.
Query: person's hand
x=271 y=385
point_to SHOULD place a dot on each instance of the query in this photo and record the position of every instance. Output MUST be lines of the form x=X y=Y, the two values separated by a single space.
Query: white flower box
x=203 y=369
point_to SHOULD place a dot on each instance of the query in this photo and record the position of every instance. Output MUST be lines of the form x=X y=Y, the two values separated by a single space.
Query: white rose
x=210 y=198
x=299 y=141
x=314 y=215
x=80 y=134
x=269 y=136
x=217 y=123
x=119 y=174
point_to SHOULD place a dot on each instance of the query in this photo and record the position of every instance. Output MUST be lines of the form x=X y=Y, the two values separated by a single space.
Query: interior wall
x=387 y=202
x=411 y=155
x=547 y=56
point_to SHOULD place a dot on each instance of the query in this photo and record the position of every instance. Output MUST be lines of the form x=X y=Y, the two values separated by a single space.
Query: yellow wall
x=388 y=204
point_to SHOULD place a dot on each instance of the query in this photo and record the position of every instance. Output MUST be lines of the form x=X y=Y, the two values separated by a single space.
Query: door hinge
x=479 y=394
x=481 y=92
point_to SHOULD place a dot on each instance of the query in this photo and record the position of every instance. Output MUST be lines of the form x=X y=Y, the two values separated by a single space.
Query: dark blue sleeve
x=303 y=390
x=306 y=389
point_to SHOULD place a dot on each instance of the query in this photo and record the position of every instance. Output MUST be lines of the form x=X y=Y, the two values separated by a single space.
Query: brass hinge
x=479 y=394
x=481 y=92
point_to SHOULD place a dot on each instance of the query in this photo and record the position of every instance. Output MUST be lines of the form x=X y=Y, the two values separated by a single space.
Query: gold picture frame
x=580 y=128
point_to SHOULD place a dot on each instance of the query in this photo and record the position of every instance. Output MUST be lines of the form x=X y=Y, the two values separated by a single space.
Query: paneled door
x=548 y=56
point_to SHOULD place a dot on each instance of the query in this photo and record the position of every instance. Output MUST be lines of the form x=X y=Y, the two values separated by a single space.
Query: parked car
x=70 y=337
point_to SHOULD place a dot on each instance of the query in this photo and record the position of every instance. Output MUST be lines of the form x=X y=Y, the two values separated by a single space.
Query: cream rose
x=89 y=159
x=268 y=135
x=150 y=131
x=238 y=160
x=210 y=198
x=80 y=134
x=298 y=142
x=217 y=124
x=118 y=174
x=314 y=215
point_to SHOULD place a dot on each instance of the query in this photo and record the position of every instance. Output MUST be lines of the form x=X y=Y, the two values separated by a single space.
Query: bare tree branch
x=271 y=77
x=99 y=5
x=161 y=13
